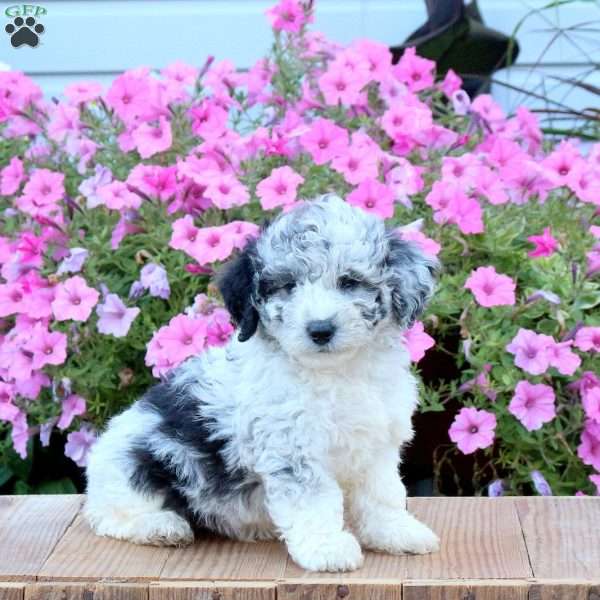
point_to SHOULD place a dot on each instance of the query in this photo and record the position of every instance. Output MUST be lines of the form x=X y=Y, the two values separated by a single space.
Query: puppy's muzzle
x=321 y=332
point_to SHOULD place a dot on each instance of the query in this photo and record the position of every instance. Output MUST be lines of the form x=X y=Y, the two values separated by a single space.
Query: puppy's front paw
x=339 y=552
x=399 y=533
x=417 y=538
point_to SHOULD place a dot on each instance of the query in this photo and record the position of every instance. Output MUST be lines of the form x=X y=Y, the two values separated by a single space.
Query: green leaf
x=587 y=300
x=58 y=486
x=5 y=474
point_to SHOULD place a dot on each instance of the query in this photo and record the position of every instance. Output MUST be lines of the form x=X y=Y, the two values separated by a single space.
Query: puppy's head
x=324 y=280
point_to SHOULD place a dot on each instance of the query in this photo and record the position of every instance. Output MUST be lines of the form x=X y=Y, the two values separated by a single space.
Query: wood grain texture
x=464 y=590
x=81 y=555
x=302 y=590
x=218 y=558
x=210 y=590
x=564 y=591
x=480 y=539
x=30 y=527
x=11 y=590
x=562 y=536
x=90 y=591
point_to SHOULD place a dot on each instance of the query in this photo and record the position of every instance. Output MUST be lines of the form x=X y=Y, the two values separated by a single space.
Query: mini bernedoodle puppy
x=293 y=429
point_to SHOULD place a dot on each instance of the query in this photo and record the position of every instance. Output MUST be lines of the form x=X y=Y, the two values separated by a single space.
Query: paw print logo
x=24 y=32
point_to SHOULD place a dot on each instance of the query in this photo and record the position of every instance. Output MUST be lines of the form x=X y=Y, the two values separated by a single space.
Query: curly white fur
x=281 y=435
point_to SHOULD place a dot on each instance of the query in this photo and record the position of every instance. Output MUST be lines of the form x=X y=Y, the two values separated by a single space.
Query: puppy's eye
x=348 y=283
x=288 y=287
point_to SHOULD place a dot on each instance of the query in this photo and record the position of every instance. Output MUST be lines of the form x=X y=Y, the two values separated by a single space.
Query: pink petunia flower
x=241 y=232
x=562 y=358
x=74 y=300
x=279 y=188
x=545 y=244
x=183 y=337
x=114 y=317
x=20 y=434
x=595 y=479
x=79 y=444
x=42 y=192
x=373 y=197
x=117 y=196
x=73 y=263
x=588 y=339
x=356 y=164
x=152 y=139
x=531 y=351
x=533 y=404
x=491 y=288
x=81 y=92
x=184 y=235
x=128 y=96
x=340 y=86
x=324 y=141
x=48 y=347
x=414 y=71
x=219 y=328
x=417 y=341
x=154 y=181
x=72 y=406
x=226 y=192
x=589 y=448
x=153 y=278
x=213 y=243
x=426 y=244
x=11 y=176
x=590 y=400
x=8 y=411
x=288 y=15
x=473 y=429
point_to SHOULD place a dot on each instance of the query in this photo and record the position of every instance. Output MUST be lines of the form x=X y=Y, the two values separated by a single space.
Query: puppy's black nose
x=321 y=332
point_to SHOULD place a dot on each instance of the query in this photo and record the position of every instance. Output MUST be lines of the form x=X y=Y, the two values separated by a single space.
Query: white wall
x=99 y=38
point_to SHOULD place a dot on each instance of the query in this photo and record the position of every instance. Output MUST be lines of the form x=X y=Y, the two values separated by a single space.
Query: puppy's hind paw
x=339 y=552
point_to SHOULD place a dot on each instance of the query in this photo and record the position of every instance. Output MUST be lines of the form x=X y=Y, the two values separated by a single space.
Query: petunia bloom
x=545 y=244
x=279 y=188
x=588 y=339
x=153 y=277
x=79 y=444
x=417 y=341
x=531 y=351
x=473 y=429
x=533 y=404
x=114 y=317
x=72 y=406
x=491 y=288
x=74 y=300
x=373 y=197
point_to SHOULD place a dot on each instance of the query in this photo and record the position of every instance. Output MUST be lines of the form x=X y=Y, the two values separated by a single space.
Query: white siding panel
x=96 y=39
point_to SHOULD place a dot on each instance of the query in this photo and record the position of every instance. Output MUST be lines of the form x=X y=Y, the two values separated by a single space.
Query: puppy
x=293 y=429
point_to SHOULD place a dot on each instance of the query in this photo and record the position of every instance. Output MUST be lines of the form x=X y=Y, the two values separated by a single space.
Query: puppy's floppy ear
x=236 y=284
x=411 y=276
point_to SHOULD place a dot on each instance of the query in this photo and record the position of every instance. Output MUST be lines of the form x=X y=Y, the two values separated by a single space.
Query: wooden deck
x=507 y=548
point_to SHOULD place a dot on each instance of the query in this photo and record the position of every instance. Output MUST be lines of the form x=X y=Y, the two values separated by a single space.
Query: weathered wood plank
x=564 y=591
x=30 y=527
x=466 y=590
x=90 y=591
x=211 y=590
x=221 y=559
x=338 y=590
x=11 y=590
x=561 y=535
x=480 y=539
x=81 y=555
